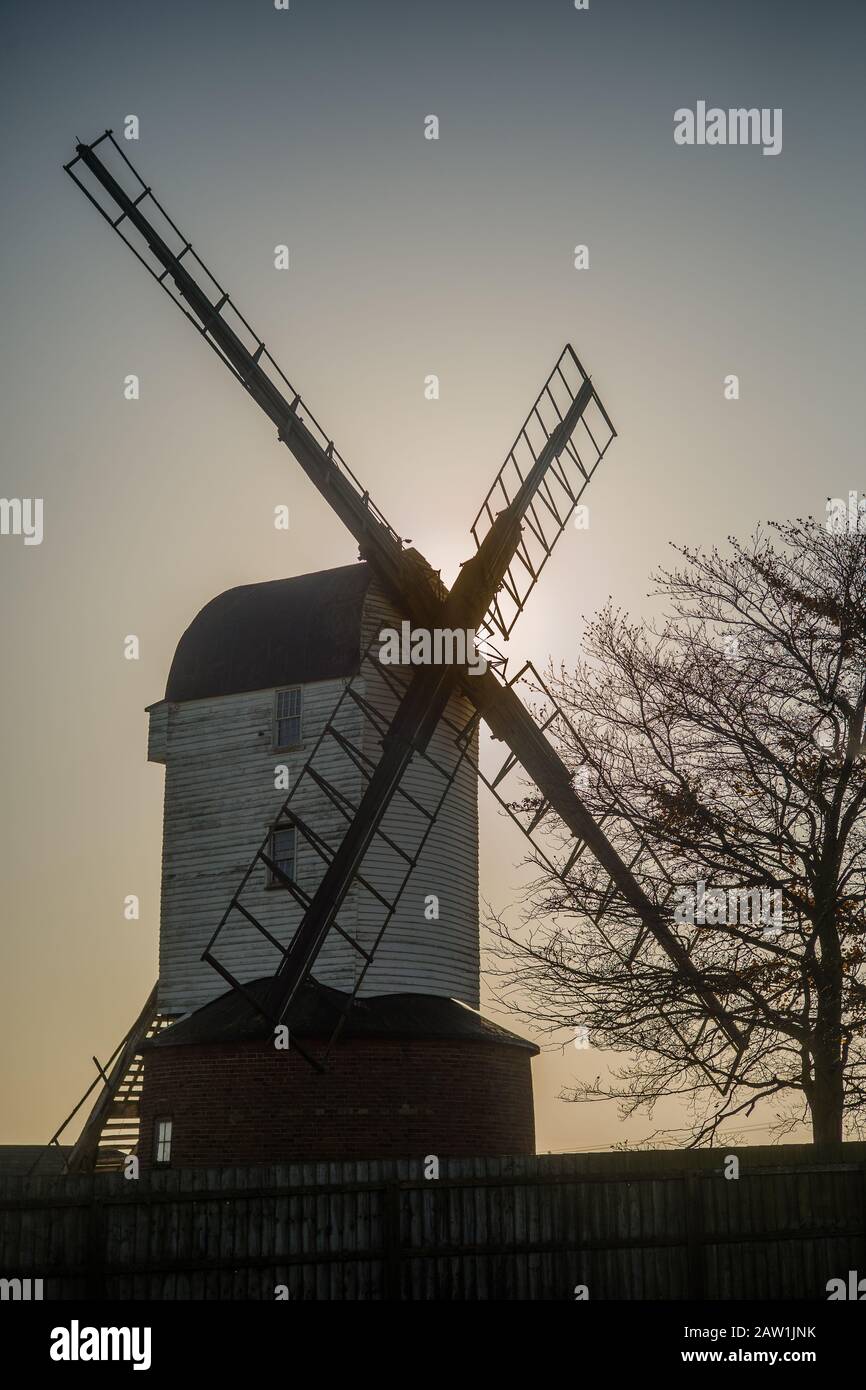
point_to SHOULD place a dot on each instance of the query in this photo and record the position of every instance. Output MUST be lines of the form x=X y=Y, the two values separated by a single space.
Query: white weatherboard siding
x=219 y=802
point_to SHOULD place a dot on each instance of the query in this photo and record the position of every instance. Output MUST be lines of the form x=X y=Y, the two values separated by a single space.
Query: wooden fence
x=657 y=1225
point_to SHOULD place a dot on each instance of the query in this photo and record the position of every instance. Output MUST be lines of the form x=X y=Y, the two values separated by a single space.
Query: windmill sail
x=129 y=205
x=567 y=855
x=563 y=439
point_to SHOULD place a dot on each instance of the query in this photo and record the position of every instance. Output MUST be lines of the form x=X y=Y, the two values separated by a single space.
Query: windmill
x=564 y=438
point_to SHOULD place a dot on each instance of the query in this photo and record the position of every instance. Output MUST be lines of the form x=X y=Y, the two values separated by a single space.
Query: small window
x=287 y=718
x=282 y=852
x=162 y=1152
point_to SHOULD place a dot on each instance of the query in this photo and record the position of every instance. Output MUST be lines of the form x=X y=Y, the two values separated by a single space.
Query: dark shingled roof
x=232 y=1018
x=283 y=632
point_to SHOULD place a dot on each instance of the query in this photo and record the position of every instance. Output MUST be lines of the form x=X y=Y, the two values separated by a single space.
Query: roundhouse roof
x=316 y=1010
x=282 y=632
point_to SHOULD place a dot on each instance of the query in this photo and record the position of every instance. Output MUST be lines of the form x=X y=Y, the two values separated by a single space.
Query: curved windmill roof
x=282 y=632
x=317 y=1009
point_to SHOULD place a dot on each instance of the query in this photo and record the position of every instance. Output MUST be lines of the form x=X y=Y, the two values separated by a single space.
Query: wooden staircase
x=111 y=1131
x=119 y=1134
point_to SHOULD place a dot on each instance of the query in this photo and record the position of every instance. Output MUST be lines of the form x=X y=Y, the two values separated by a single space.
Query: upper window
x=162 y=1147
x=287 y=718
x=282 y=852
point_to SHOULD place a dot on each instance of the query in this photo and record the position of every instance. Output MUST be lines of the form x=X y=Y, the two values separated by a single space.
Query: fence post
x=96 y=1232
x=393 y=1250
x=693 y=1212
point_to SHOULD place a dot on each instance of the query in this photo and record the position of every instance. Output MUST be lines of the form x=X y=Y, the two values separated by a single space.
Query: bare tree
x=725 y=743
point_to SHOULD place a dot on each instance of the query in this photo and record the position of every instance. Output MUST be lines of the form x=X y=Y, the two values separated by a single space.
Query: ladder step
x=124 y=1110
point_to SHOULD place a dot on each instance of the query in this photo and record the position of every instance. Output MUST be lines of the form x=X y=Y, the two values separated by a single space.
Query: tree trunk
x=826 y=1096
x=827 y=1092
x=825 y=1100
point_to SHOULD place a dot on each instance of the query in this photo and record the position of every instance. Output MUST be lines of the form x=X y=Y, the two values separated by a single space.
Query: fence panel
x=626 y=1226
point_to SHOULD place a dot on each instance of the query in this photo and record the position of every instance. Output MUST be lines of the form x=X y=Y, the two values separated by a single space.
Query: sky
x=408 y=257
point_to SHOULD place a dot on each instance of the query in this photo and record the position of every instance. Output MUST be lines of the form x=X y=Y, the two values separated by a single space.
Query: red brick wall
x=247 y=1103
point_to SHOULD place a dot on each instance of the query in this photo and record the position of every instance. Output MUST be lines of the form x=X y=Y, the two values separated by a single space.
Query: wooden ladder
x=111 y=1131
